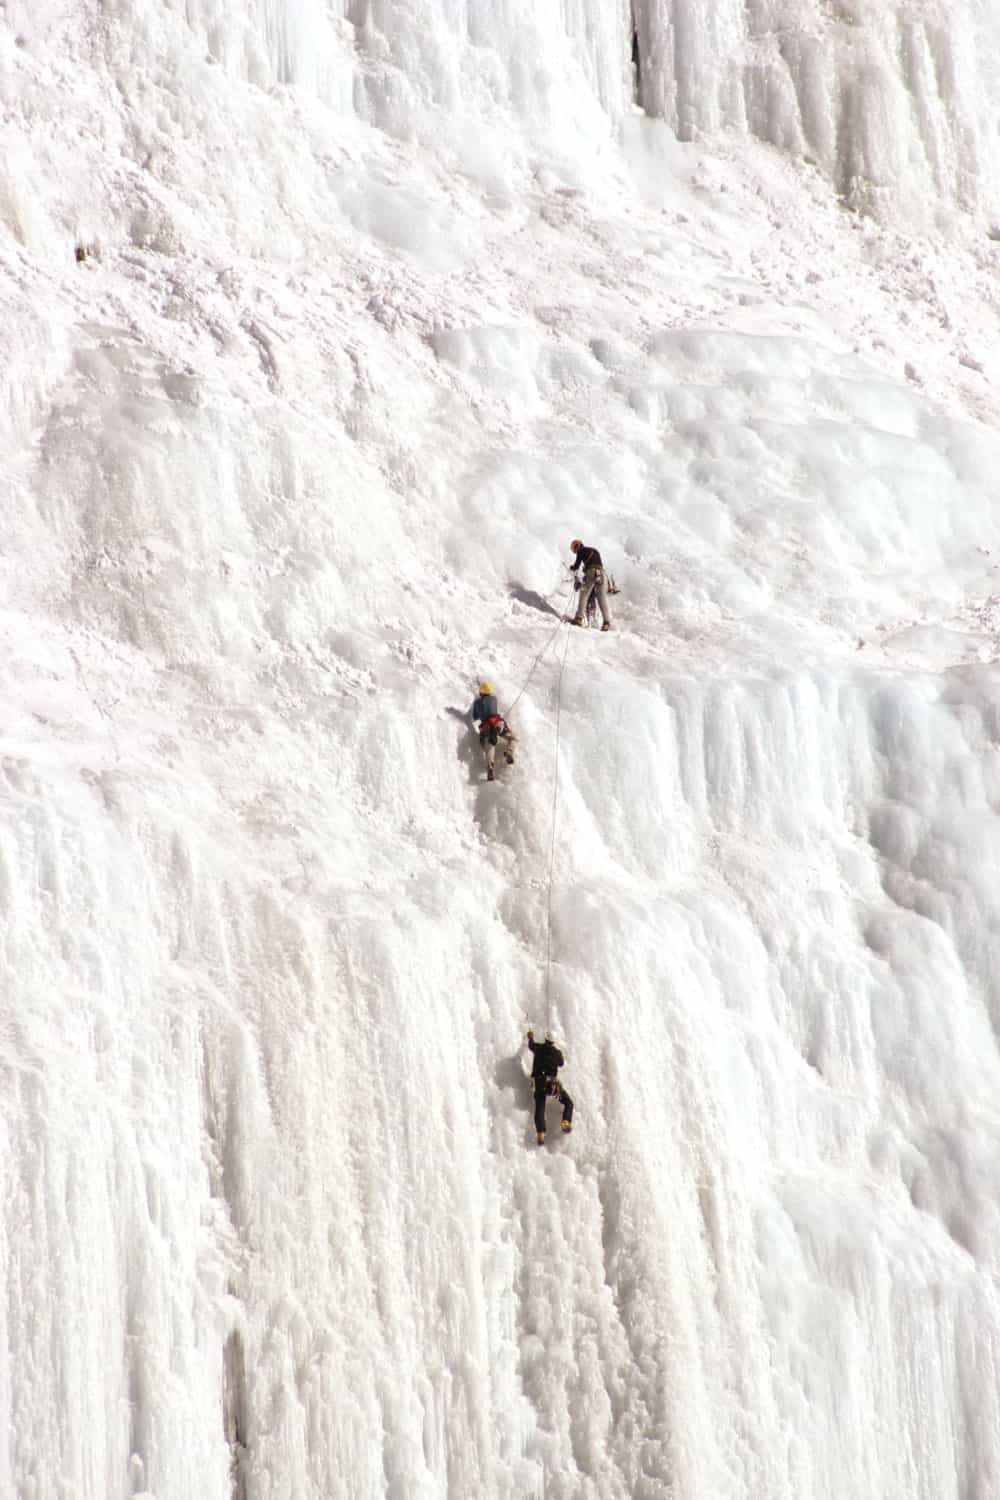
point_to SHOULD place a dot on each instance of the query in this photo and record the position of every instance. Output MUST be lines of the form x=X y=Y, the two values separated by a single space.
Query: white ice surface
x=378 y=310
x=891 y=98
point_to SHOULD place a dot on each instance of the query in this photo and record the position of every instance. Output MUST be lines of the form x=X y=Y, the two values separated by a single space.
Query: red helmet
x=575 y=544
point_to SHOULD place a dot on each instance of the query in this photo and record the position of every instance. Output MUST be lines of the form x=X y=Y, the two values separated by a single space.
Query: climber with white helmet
x=547 y=1061
x=590 y=582
x=493 y=728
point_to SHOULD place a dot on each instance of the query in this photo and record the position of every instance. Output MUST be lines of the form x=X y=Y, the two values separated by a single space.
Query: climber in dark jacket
x=591 y=581
x=547 y=1062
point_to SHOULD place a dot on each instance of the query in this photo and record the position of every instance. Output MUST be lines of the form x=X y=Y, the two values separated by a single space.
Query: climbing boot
x=541 y=1137
x=509 y=758
x=489 y=773
x=576 y=620
x=567 y=1127
x=606 y=625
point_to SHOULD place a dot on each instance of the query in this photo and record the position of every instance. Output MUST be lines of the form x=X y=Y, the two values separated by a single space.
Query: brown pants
x=593 y=583
x=505 y=738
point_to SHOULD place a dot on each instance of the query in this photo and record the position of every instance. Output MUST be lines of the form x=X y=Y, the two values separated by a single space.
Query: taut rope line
x=552 y=840
x=534 y=664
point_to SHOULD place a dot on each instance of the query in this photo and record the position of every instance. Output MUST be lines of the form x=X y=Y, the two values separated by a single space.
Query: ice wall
x=891 y=100
x=375 y=311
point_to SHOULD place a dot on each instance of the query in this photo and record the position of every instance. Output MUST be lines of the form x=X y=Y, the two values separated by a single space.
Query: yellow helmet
x=486 y=687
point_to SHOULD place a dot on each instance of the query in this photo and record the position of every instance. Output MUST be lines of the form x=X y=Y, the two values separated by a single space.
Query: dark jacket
x=589 y=557
x=548 y=1059
x=485 y=706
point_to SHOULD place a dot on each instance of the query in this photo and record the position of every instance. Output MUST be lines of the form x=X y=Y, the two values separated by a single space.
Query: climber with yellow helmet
x=493 y=728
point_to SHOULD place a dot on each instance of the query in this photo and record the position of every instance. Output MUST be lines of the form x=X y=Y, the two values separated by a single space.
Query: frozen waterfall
x=325 y=329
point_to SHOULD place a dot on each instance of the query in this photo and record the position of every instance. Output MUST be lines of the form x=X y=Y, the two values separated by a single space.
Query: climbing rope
x=564 y=600
x=534 y=665
x=552 y=840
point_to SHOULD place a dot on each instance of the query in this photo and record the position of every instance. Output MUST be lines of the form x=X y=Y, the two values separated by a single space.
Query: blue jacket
x=484 y=706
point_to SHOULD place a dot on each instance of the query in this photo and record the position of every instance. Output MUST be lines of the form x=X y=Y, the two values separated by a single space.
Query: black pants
x=543 y=1088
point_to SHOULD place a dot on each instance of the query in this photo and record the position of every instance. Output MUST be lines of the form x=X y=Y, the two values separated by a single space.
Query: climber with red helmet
x=590 y=582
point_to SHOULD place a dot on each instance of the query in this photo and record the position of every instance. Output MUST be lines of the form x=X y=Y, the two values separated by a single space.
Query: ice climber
x=548 y=1061
x=591 y=581
x=492 y=728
